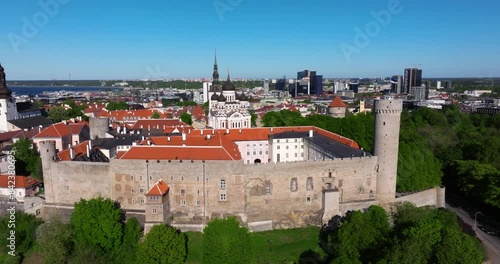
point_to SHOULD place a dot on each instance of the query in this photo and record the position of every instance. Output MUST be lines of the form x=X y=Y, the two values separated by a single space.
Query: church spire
x=5 y=92
x=215 y=76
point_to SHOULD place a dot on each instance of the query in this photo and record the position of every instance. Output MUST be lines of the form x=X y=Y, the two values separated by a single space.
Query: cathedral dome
x=228 y=85
x=243 y=97
x=221 y=98
x=214 y=97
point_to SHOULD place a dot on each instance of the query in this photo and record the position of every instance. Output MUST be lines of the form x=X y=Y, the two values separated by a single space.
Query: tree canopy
x=98 y=224
x=186 y=118
x=419 y=235
x=162 y=245
x=27 y=158
x=224 y=241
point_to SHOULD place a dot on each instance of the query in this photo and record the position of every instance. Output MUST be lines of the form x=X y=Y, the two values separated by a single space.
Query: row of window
x=286 y=147
x=290 y=140
x=255 y=152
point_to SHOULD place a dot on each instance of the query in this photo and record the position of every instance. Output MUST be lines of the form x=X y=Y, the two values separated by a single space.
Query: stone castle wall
x=254 y=192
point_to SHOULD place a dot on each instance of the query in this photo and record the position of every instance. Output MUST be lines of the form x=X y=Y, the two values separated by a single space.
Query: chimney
x=71 y=153
x=209 y=136
x=213 y=131
x=168 y=139
x=64 y=122
x=227 y=130
x=149 y=142
x=240 y=130
x=142 y=138
x=183 y=136
x=201 y=132
x=311 y=133
x=125 y=129
x=88 y=153
x=149 y=127
x=271 y=129
x=90 y=144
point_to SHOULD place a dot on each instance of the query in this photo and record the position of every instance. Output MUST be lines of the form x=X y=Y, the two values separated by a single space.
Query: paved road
x=491 y=243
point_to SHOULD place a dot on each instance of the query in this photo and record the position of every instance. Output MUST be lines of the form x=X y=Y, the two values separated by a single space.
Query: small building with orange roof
x=337 y=108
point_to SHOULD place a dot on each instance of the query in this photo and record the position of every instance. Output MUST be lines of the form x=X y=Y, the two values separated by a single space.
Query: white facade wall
x=254 y=150
x=287 y=150
x=8 y=111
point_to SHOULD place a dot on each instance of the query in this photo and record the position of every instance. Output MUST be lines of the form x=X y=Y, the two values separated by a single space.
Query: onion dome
x=228 y=85
x=214 y=97
x=243 y=97
x=221 y=98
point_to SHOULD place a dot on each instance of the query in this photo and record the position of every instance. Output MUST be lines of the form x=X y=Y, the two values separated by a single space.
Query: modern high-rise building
x=354 y=85
x=396 y=84
x=309 y=83
x=420 y=93
x=447 y=85
x=412 y=78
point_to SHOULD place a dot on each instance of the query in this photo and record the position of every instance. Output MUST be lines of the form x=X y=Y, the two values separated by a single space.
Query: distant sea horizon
x=38 y=90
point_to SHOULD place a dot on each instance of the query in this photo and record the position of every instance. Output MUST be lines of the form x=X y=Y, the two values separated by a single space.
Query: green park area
x=277 y=246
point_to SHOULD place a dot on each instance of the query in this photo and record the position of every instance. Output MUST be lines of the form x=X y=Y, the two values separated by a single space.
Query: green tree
x=57 y=114
x=27 y=158
x=98 y=224
x=128 y=250
x=360 y=236
x=224 y=241
x=186 y=118
x=55 y=240
x=25 y=226
x=457 y=248
x=156 y=115
x=163 y=244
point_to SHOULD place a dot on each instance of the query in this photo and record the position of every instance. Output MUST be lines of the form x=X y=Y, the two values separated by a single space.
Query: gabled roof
x=28 y=134
x=58 y=130
x=181 y=153
x=62 y=129
x=7 y=136
x=26 y=107
x=31 y=122
x=337 y=102
x=159 y=189
x=21 y=181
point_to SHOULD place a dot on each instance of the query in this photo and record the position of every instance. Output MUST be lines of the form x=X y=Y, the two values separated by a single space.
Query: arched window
x=309 y=184
x=223 y=184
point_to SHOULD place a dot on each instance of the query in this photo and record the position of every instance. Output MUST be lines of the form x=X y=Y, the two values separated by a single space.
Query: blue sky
x=176 y=39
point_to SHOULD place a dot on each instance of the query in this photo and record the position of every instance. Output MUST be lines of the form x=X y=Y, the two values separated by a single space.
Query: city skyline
x=256 y=39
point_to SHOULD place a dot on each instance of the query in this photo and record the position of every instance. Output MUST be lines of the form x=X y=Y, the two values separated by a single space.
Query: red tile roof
x=8 y=135
x=159 y=189
x=158 y=123
x=80 y=149
x=21 y=181
x=337 y=102
x=123 y=115
x=182 y=153
x=62 y=129
x=198 y=112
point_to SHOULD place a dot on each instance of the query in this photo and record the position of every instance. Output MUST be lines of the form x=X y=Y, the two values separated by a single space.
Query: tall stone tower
x=98 y=127
x=386 y=144
x=48 y=154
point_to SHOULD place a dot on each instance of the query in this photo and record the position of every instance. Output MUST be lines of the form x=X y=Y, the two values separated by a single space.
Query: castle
x=269 y=178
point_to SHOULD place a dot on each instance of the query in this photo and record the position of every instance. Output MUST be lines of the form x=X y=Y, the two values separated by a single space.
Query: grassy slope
x=277 y=246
